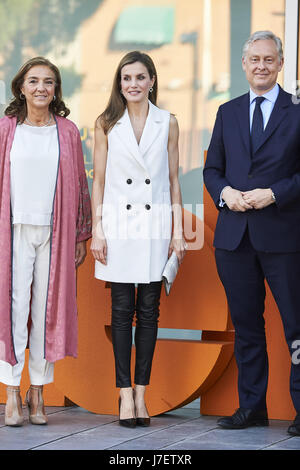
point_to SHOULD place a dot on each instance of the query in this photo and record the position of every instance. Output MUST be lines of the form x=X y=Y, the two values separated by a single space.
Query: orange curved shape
x=181 y=369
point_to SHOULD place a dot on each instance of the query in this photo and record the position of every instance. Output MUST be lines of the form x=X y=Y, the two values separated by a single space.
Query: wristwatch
x=273 y=195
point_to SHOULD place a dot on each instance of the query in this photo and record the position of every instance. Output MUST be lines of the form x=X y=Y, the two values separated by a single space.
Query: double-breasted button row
x=147 y=206
x=129 y=181
x=129 y=206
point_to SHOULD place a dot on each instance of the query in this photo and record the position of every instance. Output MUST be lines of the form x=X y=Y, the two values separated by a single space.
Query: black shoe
x=294 y=429
x=145 y=422
x=244 y=418
x=127 y=423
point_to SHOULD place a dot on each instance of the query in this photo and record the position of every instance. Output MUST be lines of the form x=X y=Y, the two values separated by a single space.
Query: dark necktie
x=257 y=124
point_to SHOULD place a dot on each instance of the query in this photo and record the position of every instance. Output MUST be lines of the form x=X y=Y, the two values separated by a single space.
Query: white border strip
x=291 y=45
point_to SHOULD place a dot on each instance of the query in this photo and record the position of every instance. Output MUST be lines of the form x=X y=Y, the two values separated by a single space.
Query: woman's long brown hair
x=18 y=107
x=117 y=103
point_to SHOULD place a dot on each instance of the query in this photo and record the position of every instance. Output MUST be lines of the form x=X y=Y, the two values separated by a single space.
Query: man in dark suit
x=252 y=173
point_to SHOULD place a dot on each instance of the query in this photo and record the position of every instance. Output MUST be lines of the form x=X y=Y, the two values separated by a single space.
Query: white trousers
x=31 y=249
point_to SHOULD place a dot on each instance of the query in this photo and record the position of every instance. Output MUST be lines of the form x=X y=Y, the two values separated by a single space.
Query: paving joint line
x=281 y=440
x=154 y=431
x=69 y=435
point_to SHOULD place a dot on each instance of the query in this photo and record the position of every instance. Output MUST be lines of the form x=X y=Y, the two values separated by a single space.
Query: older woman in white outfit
x=135 y=184
x=45 y=220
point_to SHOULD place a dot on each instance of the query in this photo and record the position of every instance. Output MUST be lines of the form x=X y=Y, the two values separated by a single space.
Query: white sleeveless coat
x=136 y=214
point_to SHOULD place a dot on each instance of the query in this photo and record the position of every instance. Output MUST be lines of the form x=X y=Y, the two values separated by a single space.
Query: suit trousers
x=125 y=302
x=30 y=264
x=243 y=273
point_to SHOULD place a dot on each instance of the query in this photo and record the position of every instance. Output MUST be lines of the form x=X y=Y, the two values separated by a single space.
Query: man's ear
x=281 y=64
x=243 y=63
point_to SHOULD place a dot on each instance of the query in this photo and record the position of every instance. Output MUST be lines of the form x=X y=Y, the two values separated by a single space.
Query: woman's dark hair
x=18 y=106
x=117 y=103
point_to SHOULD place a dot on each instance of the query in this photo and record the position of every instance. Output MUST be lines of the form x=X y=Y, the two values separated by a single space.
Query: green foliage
x=14 y=16
x=39 y=27
x=71 y=80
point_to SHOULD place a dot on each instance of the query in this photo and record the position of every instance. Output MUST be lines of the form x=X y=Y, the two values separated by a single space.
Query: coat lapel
x=242 y=111
x=279 y=112
x=151 y=130
x=125 y=132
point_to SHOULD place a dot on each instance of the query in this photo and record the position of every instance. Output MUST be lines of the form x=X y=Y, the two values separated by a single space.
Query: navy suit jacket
x=275 y=165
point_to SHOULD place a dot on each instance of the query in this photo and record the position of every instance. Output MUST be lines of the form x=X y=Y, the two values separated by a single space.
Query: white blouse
x=33 y=172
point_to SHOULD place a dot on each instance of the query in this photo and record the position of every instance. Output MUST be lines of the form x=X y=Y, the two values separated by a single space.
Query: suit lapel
x=279 y=112
x=242 y=110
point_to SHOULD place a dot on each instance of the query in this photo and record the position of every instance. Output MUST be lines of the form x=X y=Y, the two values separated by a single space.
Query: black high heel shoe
x=128 y=422
x=144 y=422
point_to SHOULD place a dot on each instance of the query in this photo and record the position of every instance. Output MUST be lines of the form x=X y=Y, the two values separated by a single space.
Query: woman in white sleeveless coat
x=135 y=187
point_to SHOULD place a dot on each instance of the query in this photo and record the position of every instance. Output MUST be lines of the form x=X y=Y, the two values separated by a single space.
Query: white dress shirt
x=266 y=106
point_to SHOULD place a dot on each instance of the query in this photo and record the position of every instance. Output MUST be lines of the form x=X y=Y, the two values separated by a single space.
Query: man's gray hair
x=258 y=35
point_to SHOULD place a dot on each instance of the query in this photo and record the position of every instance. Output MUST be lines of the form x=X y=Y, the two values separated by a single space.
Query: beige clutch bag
x=170 y=272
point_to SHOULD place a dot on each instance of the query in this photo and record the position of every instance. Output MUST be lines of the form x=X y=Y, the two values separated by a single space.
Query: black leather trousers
x=146 y=306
